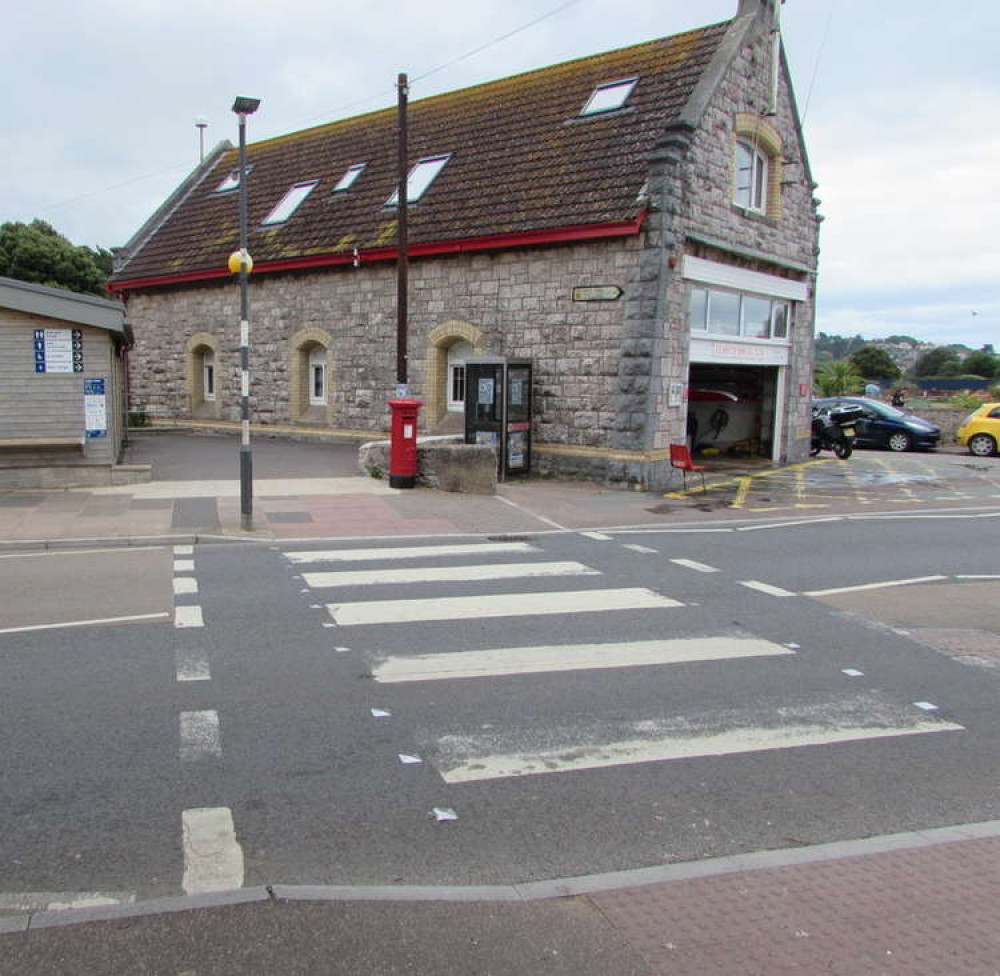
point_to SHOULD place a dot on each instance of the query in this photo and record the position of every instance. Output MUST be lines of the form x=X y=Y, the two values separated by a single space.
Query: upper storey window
x=609 y=96
x=758 y=160
x=232 y=181
x=420 y=178
x=289 y=203
x=347 y=180
x=751 y=183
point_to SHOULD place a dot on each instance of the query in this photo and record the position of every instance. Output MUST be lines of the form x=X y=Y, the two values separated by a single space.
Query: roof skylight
x=609 y=96
x=421 y=177
x=289 y=203
x=347 y=180
x=232 y=181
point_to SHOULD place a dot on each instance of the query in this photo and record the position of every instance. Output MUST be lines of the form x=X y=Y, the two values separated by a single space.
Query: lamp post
x=240 y=261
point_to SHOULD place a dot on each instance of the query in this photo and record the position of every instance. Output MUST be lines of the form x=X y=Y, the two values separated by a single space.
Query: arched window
x=751 y=182
x=208 y=374
x=317 y=376
x=458 y=352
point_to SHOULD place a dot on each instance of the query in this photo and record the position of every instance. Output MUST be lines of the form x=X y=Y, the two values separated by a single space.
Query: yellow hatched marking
x=741 y=492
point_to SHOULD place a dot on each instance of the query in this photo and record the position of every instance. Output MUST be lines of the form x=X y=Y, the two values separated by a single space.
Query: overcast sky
x=900 y=101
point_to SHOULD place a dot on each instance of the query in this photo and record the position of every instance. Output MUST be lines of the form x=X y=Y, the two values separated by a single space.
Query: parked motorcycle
x=834 y=430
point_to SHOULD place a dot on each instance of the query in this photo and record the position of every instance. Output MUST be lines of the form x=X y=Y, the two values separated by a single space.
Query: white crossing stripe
x=408 y=552
x=596 y=536
x=503 y=605
x=465 y=759
x=696 y=566
x=183 y=565
x=183 y=550
x=569 y=657
x=765 y=588
x=213 y=858
x=185 y=585
x=635 y=547
x=188 y=617
x=192 y=666
x=447 y=574
x=200 y=735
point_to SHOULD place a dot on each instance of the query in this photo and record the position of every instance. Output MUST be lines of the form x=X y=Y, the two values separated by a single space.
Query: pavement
x=916 y=903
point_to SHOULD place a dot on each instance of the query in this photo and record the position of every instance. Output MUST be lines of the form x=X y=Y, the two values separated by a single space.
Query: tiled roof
x=523 y=161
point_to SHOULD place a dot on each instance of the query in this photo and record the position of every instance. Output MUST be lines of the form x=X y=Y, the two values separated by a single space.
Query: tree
x=38 y=253
x=981 y=364
x=838 y=378
x=938 y=362
x=875 y=363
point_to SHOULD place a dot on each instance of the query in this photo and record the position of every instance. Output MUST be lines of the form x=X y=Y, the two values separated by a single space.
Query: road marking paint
x=185 y=616
x=637 y=548
x=785 y=525
x=569 y=657
x=87 y=623
x=213 y=858
x=503 y=605
x=381 y=713
x=408 y=552
x=200 y=735
x=52 y=901
x=765 y=588
x=183 y=565
x=77 y=552
x=741 y=492
x=445 y=574
x=596 y=536
x=853 y=672
x=408 y=760
x=184 y=585
x=183 y=550
x=693 y=564
x=874 y=586
x=978 y=576
x=926 y=706
x=192 y=666
x=477 y=765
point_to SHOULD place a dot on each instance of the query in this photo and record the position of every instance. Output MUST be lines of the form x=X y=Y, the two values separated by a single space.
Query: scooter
x=833 y=430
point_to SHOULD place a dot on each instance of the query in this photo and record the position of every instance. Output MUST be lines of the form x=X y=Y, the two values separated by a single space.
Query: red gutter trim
x=580 y=232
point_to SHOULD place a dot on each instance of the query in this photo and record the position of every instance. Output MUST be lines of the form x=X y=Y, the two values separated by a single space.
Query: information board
x=58 y=350
x=95 y=408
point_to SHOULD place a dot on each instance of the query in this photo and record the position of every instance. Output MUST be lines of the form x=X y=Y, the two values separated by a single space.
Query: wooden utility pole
x=402 y=261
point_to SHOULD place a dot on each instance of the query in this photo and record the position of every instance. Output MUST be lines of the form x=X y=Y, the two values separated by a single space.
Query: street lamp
x=242 y=263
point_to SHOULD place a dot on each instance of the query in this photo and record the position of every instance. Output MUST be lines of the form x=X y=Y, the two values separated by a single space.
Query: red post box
x=403 y=443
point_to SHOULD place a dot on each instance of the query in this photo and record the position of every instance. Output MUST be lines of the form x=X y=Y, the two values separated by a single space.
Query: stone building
x=639 y=224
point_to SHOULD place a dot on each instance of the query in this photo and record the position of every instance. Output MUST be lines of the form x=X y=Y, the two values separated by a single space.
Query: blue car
x=883 y=426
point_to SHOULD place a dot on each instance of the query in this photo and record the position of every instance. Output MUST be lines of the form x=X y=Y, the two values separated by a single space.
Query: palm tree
x=838 y=378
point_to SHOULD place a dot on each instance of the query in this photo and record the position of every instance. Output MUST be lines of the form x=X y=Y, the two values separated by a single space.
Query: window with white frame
x=232 y=181
x=730 y=313
x=457 y=354
x=317 y=376
x=420 y=178
x=350 y=175
x=208 y=375
x=750 y=182
x=608 y=97
x=289 y=203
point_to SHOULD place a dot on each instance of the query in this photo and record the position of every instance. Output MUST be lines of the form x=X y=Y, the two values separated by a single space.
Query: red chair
x=680 y=457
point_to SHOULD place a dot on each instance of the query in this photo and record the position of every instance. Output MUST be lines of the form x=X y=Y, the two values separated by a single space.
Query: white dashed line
x=765 y=588
x=696 y=566
x=213 y=858
x=596 y=536
x=635 y=547
x=183 y=550
x=200 y=735
x=188 y=617
x=192 y=666
x=183 y=565
x=184 y=585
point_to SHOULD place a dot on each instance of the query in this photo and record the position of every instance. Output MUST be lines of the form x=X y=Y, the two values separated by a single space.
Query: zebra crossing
x=432 y=574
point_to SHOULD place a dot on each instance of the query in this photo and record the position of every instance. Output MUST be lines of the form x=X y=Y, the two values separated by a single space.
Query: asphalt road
x=306 y=733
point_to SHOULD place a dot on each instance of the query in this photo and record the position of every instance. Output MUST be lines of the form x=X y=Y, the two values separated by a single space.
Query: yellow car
x=981 y=430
